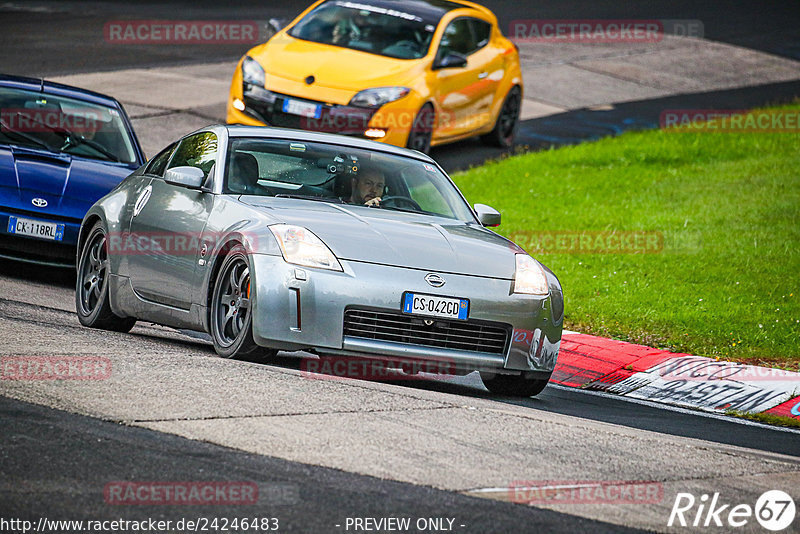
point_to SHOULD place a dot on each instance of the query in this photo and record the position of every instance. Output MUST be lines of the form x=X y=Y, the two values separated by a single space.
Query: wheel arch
x=86 y=226
x=498 y=104
x=433 y=105
x=216 y=265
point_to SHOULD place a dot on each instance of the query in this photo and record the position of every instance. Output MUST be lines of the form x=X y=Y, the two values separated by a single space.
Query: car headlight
x=378 y=96
x=529 y=277
x=301 y=247
x=252 y=72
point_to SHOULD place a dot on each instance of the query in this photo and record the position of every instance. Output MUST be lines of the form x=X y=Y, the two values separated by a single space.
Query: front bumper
x=265 y=108
x=298 y=308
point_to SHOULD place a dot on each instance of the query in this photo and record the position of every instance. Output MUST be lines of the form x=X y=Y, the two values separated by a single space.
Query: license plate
x=304 y=109
x=32 y=228
x=434 y=306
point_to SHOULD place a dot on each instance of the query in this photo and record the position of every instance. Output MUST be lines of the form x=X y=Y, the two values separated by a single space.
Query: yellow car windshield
x=368 y=28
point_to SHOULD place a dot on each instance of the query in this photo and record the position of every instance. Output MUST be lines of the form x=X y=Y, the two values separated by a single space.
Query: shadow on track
x=57 y=276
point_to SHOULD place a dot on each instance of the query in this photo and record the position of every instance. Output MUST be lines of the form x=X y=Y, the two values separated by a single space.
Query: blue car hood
x=69 y=185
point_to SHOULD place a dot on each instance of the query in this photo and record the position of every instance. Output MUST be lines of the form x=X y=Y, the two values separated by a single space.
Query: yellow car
x=413 y=73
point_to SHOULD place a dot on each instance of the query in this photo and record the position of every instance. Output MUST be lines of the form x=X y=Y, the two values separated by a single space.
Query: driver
x=367 y=188
x=348 y=29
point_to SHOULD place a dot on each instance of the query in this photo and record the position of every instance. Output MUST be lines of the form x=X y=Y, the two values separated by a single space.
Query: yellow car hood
x=339 y=72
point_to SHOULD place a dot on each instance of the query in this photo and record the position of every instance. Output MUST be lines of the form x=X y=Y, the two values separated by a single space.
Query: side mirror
x=185 y=176
x=452 y=60
x=276 y=25
x=487 y=215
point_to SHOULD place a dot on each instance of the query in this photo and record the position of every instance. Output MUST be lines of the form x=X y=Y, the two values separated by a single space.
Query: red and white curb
x=640 y=372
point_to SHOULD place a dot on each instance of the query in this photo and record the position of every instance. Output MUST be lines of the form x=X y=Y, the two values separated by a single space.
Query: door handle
x=483 y=75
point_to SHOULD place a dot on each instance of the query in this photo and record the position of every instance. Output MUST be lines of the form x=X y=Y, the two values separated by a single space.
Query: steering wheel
x=406 y=44
x=395 y=200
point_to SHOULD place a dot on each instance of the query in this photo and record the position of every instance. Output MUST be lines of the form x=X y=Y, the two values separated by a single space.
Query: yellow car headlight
x=378 y=96
x=253 y=72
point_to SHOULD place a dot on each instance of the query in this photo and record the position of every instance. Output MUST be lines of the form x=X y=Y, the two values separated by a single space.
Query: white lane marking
x=487 y=490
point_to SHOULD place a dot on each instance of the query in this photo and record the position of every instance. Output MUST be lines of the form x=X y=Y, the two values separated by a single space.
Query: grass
x=767 y=418
x=726 y=283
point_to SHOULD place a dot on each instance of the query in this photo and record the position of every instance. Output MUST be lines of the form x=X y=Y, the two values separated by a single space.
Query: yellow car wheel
x=505 y=128
x=419 y=138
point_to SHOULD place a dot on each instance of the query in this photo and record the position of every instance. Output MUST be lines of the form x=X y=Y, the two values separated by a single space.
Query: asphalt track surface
x=597 y=406
x=85 y=454
x=65 y=37
x=55 y=464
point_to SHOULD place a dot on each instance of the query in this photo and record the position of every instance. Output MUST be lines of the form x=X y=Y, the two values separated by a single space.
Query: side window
x=158 y=164
x=199 y=151
x=482 y=31
x=457 y=37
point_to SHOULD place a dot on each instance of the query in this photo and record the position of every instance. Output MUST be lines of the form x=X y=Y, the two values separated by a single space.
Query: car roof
x=305 y=135
x=53 y=88
x=430 y=11
x=466 y=4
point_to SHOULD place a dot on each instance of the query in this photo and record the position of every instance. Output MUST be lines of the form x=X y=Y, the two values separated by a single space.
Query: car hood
x=69 y=185
x=332 y=66
x=398 y=238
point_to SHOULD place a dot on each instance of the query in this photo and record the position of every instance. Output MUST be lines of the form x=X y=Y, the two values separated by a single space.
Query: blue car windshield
x=62 y=124
x=369 y=28
x=362 y=178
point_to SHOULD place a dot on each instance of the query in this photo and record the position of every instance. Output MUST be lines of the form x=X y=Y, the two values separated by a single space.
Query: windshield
x=369 y=28
x=62 y=124
x=364 y=179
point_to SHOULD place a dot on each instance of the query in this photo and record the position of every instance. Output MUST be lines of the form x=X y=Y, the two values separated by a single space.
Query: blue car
x=61 y=149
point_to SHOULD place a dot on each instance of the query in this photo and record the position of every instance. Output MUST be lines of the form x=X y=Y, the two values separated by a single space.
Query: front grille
x=344 y=120
x=40 y=215
x=286 y=120
x=471 y=336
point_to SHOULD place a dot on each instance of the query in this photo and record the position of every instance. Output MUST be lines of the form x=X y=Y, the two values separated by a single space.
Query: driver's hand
x=373 y=202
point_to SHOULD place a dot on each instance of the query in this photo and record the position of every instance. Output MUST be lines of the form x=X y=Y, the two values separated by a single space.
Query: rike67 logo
x=774 y=510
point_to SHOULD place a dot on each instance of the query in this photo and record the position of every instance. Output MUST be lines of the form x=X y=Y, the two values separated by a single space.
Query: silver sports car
x=273 y=239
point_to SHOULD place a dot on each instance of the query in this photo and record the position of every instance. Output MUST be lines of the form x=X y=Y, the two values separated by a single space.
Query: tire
x=91 y=287
x=507 y=123
x=231 y=319
x=419 y=138
x=513 y=385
